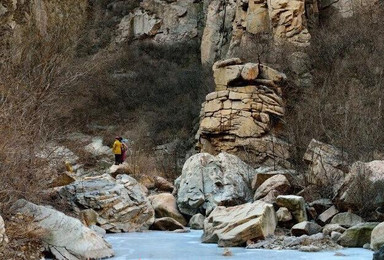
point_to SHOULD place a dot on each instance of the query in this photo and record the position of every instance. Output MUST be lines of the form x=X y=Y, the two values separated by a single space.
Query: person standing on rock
x=124 y=149
x=117 y=145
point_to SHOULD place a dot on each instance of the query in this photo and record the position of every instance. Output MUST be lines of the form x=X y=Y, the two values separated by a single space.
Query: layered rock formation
x=240 y=115
x=121 y=204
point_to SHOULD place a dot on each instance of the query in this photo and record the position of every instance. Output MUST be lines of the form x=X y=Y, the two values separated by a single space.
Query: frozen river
x=167 y=245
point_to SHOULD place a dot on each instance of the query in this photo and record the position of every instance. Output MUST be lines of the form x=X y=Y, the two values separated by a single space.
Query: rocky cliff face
x=61 y=20
x=222 y=27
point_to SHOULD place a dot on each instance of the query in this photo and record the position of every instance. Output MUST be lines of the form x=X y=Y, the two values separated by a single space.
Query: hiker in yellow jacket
x=117 y=150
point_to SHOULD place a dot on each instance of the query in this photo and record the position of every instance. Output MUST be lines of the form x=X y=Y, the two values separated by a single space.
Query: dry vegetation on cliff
x=344 y=105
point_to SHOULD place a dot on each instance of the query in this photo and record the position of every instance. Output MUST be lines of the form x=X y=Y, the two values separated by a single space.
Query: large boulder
x=357 y=236
x=295 y=204
x=377 y=237
x=164 y=205
x=208 y=181
x=327 y=165
x=364 y=184
x=121 y=203
x=233 y=226
x=65 y=235
x=3 y=236
x=347 y=219
x=278 y=183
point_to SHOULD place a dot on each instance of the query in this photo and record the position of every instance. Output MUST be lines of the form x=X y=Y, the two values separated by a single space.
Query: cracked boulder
x=121 y=203
x=208 y=181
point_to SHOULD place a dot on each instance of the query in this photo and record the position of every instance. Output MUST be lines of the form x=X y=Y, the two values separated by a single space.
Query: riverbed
x=162 y=245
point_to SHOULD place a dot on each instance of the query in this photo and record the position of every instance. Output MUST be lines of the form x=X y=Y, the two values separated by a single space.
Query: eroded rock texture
x=165 y=21
x=208 y=181
x=121 y=204
x=240 y=115
x=231 y=24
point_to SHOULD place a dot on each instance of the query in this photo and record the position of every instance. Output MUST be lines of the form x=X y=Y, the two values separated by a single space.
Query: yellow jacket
x=117 y=147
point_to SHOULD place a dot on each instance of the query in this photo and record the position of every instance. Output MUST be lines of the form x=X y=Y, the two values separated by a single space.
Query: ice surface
x=162 y=245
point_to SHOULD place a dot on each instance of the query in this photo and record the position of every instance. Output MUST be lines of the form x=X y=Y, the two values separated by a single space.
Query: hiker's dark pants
x=118 y=159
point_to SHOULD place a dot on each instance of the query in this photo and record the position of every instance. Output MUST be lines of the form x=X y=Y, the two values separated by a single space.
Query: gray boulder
x=208 y=181
x=358 y=235
x=64 y=235
x=197 y=221
x=347 y=219
x=121 y=203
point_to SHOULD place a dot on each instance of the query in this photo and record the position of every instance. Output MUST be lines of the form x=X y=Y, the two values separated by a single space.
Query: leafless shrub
x=33 y=90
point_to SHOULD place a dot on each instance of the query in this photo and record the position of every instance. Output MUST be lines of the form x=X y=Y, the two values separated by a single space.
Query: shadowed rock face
x=121 y=204
x=241 y=114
